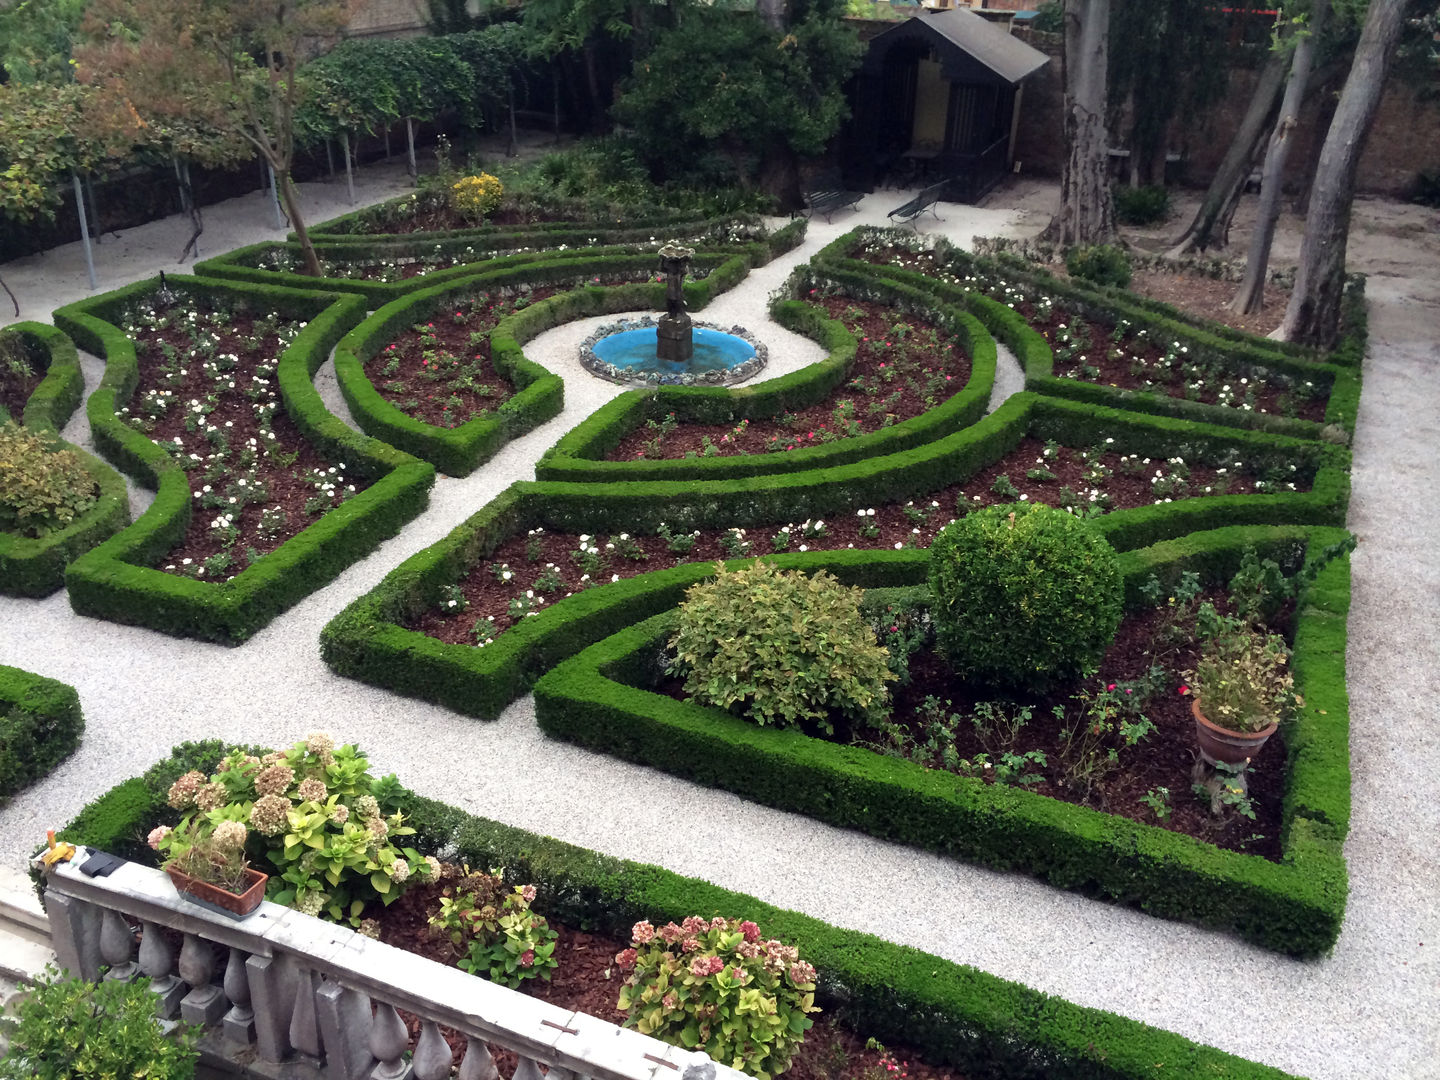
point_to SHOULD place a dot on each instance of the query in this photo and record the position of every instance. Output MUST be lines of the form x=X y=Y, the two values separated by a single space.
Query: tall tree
x=1087 y=213
x=1313 y=316
x=231 y=65
x=1303 y=43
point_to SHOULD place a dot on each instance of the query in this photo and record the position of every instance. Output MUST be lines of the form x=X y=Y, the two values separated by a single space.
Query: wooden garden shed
x=938 y=98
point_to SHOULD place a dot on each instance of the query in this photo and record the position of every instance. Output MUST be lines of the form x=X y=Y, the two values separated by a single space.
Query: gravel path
x=1369 y=1011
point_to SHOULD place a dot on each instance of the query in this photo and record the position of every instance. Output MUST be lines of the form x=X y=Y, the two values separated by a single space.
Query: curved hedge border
x=599 y=700
x=1249 y=354
x=40 y=726
x=953 y=1014
x=458 y=451
x=36 y=567
x=114 y=581
x=579 y=455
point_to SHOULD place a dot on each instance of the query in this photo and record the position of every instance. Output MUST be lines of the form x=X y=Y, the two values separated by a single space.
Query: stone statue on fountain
x=674 y=334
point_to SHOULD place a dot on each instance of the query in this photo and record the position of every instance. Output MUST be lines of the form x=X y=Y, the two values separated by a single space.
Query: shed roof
x=1003 y=53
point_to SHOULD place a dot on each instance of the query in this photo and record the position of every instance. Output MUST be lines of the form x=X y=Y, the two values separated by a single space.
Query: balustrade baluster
x=345 y=1017
x=205 y=1002
x=74 y=934
x=239 y=1022
x=117 y=946
x=388 y=1042
x=478 y=1064
x=431 y=1060
x=304 y=1027
x=157 y=961
x=527 y=1069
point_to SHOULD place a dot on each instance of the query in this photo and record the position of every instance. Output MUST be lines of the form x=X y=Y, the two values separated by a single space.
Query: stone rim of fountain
x=747 y=369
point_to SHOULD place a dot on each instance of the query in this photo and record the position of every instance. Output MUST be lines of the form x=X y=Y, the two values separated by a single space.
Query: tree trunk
x=1087 y=213
x=291 y=199
x=1250 y=297
x=1229 y=181
x=1313 y=317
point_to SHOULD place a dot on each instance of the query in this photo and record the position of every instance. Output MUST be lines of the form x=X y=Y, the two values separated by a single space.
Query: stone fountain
x=674 y=334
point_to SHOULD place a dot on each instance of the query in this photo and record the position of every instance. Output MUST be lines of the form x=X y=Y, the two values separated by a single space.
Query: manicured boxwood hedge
x=954 y=1015
x=458 y=451
x=115 y=581
x=1239 y=351
x=40 y=726
x=36 y=567
x=579 y=455
x=601 y=700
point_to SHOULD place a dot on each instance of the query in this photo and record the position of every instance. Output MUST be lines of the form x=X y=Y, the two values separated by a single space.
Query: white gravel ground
x=1369 y=1011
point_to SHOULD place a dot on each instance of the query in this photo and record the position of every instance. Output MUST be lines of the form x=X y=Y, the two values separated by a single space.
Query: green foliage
x=45 y=131
x=1050 y=18
x=1104 y=264
x=1242 y=679
x=43 y=486
x=72 y=1029
x=716 y=985
x=1141 y=205
x=1025 y=595
x=780 y=647
x=40 y=726
x=493 y=930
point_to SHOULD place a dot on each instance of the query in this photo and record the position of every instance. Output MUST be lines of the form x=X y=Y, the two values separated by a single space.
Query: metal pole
x=387 y=142
x=84 y=230
x=330 y=159
x=275 y=197
x=180 y=183
x=94 y=209
x=349 y=172
x=410 y=148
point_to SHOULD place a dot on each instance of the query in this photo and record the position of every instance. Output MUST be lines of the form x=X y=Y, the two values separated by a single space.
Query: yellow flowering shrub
x=473 y=197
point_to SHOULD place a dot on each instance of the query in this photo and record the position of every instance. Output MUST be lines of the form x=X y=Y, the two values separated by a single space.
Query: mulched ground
x=904 y=366
x=440 y=372
x=546 y=563
x=283 y=472
x=1132 y=360
x=1210 y=298
x=17 y=381
x=587 y=981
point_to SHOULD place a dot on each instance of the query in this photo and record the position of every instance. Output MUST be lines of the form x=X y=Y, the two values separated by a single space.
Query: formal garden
x=933 y=659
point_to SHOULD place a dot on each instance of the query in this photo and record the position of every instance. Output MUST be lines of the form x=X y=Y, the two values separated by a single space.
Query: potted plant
x=1241 y=690
x=206 y=861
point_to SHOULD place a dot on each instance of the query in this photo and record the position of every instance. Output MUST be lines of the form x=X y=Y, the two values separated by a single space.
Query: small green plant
x=73 y=1029
x=1103 y=264
x=716 y=985
x=1158 y=800
x=780 y=648
x=1227 y=790
x=43 y=486
x=493 y=930
x=453 y=600
x=1005 y=487
x=734 y=544
x=1109 y=720
x=677 y=543
x=1141 y=205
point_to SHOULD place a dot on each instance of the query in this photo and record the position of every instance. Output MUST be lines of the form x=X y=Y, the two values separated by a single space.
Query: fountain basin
x=625 y=352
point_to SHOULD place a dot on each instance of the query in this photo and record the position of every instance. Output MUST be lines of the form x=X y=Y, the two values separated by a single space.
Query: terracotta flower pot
x=1220 y=744
x=221 y=901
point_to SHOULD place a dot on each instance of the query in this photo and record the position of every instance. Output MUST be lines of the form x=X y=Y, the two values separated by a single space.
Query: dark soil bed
x=904 y=366
x=587 y=980
x=18 y=377
x=1209 y=298
x=1123 y=356
x=213 y=400
x=549 y=565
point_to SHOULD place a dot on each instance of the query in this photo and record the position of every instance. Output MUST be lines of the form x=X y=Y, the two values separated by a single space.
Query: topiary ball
x=1025 y=596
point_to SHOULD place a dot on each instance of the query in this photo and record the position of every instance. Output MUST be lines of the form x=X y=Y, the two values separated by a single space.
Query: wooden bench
x=926 y=200
x=828 y=196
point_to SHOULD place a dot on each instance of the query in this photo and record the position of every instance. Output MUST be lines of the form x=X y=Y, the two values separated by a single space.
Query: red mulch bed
x=285 y=469
x=1133 y=362
x=894 y=378
x=587 y=981
x=488 y=597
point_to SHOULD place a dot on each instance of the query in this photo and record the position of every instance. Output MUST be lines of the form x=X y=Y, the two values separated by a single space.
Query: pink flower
x=625 y=961
x=801 y=973
x=671 y=933
x=527 y=893
x=1184 y=690
x=693 y=924
x=716 y=965
x=527 y=958
x=1110 y=687
x=750 y=930
x=642 y=933
x=690 y=944
x=157 y=834
x=700 y=966
x=717 y=923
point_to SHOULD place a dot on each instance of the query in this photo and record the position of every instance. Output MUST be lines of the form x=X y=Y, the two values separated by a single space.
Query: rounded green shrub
x=1102 y=264
x=1141 y=205
x=43 y=485
x=780 y=647
x=1025 y=596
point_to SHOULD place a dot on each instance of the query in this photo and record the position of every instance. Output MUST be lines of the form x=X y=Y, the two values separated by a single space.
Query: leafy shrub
x=494 y=931
x=475 y=197
x=71 y=1029
x=714 y=985
x=1242 y=679
x=1050 y=18
x=779 y=647
x=318 y=817
x=1104 y=264
x=1025 y=595
x=43 y=486
x=1141 y=205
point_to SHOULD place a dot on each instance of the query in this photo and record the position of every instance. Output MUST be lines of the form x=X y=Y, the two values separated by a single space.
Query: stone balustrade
x=322 y=1000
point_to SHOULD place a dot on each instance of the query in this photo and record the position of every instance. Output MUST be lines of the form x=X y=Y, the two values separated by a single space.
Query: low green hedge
x=600 y=699
x=40 y=726
x=954 y=1015
x=36 y=567
x=116 y=581
x=579 y=455
x=352 y=223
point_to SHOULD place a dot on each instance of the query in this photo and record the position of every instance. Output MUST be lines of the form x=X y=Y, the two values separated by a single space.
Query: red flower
x=527 y=958
x=1110 y=687
x=1184 y=690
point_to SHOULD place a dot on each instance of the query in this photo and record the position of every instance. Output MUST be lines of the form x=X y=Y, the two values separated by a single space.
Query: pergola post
x=84 y=229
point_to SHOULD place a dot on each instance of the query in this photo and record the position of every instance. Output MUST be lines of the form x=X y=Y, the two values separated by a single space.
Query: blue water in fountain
x=634 y=351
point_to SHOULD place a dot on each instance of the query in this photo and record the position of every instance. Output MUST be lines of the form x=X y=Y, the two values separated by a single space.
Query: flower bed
x=955 y=1016
x=40 y=726
x=116 y=580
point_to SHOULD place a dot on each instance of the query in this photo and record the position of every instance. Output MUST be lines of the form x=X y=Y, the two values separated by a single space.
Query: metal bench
x=926 y=200
x=830 y=196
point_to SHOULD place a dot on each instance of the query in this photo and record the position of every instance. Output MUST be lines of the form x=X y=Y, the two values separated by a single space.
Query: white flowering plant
x=327 y=827
x=716 y=985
